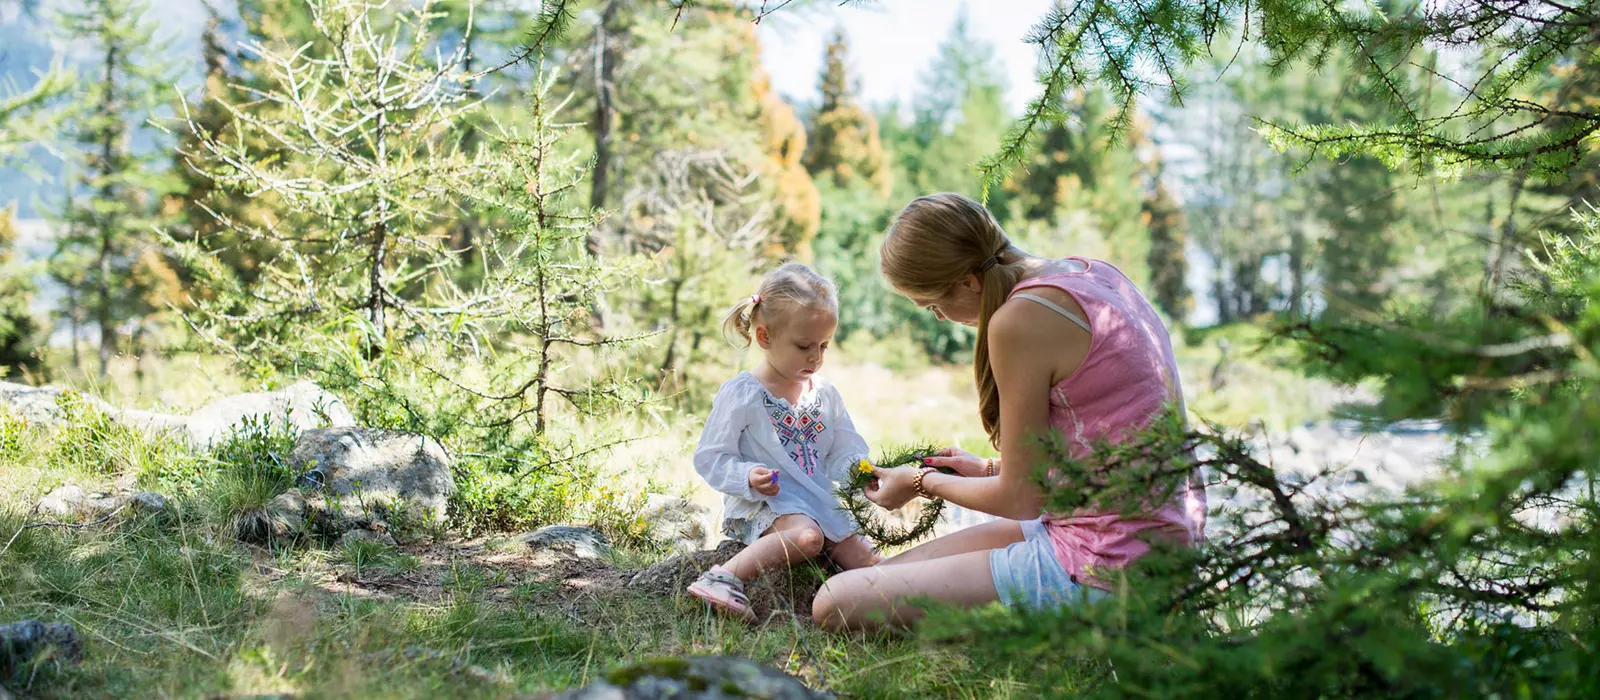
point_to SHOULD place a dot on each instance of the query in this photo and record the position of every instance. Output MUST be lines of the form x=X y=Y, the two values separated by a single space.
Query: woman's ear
x=972 y=283
x=762 y=338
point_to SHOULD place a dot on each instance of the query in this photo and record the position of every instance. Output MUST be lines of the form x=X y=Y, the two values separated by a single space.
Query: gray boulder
x=711 y=677
x=25 y=643
x=301 y=406
x=669 y=576
x=357 y=470
x=581 y=542
x=677 y=522
x=38 y=404
x=71 y=501
x=63 y=502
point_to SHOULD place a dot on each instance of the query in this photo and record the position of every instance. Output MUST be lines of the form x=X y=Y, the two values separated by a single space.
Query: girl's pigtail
x=740 y=319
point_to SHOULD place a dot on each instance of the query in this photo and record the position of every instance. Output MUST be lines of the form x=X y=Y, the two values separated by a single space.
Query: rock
x=363 y=535
x=302 y=406
x=582 y=542
x=676 y=522
x=31 y=641
x=711 y=677
x=671 y=575
x=287 y=514
x=149 y=501
x=39 y=404
x=63 y=502
x=153 y=423
x=354 y=469
x=70 y=501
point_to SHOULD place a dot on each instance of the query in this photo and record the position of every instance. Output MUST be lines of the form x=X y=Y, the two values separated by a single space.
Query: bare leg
x=867 y=598
x=854 y=552
x=994 y=534
x=793 y=538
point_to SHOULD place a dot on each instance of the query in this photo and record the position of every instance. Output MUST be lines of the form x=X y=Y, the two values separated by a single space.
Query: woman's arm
x=1026 y=342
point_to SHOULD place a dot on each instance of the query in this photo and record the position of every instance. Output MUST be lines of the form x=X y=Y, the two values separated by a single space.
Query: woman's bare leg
x=792 y=539
x=867 y=598
x=990 y=535
x=854 y=552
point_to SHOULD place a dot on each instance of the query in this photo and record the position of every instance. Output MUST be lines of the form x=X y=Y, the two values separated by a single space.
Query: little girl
x=779 y=440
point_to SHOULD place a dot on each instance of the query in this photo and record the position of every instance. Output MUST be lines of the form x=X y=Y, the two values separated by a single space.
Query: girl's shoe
x=723 y=591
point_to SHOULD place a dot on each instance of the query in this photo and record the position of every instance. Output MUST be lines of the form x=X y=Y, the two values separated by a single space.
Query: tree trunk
x=606 y=58
x=108 y=145
x=1297 y=270
x=74 y=313
x=380 y=240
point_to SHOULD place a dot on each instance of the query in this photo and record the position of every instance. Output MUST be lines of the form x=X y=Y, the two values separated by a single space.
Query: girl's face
x=960 y=305
x=796 y=346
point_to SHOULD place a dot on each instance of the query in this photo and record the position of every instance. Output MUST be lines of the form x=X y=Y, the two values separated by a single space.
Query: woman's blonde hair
x=791 y=286
x=933 y=244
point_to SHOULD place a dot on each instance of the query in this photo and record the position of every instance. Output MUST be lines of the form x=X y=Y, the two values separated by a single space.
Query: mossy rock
x=712 y=677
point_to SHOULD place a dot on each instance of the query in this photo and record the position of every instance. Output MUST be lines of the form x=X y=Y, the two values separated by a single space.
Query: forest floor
x=170 y=606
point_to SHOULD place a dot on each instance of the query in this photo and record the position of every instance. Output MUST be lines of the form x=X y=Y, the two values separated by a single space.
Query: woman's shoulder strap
x=1056 y=308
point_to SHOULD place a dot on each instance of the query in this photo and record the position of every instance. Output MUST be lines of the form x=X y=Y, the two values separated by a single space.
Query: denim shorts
x=1028 y=575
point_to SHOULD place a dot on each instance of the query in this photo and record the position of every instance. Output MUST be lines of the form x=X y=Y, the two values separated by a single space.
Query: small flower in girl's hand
x=864 y=466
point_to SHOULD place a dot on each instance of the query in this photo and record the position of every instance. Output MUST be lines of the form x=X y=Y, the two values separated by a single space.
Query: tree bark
x=108 y=145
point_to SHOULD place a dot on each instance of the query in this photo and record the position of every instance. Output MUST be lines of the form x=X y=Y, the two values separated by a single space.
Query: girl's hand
x=963 y=462
x=764 y=481
x=895 y=486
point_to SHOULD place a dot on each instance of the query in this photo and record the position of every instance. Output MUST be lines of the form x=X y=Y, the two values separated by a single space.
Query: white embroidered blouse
x=813 y=444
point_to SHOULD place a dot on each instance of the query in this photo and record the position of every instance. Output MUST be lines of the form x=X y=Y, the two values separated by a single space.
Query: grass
x=174 y=604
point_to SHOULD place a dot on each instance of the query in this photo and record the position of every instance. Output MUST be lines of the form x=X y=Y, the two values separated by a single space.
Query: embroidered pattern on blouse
x=798 y=430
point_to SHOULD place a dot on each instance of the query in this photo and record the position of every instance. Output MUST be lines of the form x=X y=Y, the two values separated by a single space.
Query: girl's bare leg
x=854 y=552
x=792 y=539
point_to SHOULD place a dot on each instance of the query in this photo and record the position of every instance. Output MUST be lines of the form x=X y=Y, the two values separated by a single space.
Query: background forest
x=513 y=229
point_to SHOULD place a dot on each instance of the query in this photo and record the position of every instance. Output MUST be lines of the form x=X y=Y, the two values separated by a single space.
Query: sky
x=892 y=41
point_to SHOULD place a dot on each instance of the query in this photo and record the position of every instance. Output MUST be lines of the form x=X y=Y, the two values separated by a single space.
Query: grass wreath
x=863 y=510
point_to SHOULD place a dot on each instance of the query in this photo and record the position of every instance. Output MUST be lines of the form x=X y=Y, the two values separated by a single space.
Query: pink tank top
x=1125 y=381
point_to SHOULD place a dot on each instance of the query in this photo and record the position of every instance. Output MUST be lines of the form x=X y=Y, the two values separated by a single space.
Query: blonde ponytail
x=933 y=244
x=740 y=320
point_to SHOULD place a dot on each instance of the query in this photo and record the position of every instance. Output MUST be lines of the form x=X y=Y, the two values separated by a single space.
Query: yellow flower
x=864 y=466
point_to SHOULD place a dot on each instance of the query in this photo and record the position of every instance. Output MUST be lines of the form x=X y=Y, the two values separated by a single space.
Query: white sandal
x=723 y=591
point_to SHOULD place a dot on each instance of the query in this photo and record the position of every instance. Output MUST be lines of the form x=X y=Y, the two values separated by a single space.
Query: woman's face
x=961 y=305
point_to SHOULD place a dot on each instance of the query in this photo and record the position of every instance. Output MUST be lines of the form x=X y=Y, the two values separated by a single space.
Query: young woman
x=1069 y=346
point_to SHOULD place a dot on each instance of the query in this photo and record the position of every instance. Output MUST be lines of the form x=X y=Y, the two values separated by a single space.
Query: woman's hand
x=764 y=481
x=895 y=486
x=963 y=462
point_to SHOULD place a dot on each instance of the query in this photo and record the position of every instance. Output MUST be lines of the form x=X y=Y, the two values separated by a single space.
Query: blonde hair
x=933 y=244
x=791 y=286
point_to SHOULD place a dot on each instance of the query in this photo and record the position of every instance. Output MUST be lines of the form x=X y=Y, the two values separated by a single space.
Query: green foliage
x=89 y=439
x=1132 y=50
x=843 y=143
x=116 y=272
x=1168 y=261
x=19 y=330
x=27 y=116
x=958 y=116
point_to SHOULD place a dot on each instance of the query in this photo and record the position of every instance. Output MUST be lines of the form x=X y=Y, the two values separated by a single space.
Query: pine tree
x=959 y=116
x=843 y=143
x=360 y=182
x=29 y=115
x=1169 y=266
x=108 y=226
x=19 y=330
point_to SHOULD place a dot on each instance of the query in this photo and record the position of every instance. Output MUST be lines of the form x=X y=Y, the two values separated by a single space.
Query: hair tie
x=993 y=259
x=755 y=299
